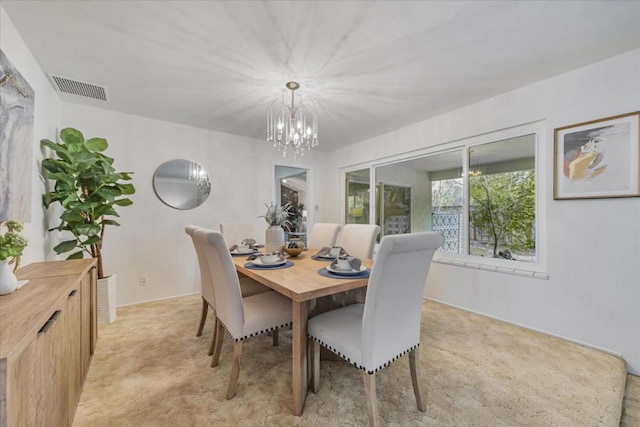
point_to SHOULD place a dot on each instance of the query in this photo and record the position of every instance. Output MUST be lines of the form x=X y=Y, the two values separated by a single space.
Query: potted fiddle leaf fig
x=89 y=189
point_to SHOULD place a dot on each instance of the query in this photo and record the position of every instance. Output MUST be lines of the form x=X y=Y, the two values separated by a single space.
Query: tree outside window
x=502 y=199
x=502 y=215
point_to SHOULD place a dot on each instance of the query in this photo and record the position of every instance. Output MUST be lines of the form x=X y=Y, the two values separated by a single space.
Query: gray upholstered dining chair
x=372 y=335
x=359 y=240
x=249 y=287
x=242 y=317
x=236 y=232
x=323 y=235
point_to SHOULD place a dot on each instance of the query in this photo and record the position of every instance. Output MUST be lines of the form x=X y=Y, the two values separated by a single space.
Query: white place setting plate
x=329 y=257
x=258 y=263
x=351 y=272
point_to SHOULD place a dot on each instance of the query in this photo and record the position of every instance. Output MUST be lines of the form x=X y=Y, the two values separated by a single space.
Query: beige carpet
x=149 y=369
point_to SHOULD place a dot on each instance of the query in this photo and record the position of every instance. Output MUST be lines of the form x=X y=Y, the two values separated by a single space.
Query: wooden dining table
x=302 y=284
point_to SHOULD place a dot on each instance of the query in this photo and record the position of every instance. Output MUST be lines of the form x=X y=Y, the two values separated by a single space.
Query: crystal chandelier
x=292 y=127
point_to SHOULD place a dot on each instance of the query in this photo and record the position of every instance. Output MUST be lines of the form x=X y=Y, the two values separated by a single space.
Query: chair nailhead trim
x=370 y=372
x=255 y=334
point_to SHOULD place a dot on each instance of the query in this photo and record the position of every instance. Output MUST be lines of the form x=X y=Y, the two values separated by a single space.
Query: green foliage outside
x=503 y=206
x=446 y=194
x=88 y=188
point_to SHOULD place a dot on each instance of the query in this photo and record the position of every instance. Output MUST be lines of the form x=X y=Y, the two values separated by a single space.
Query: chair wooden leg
x=274 y=335
x=315 y=368
x=218 y=347
x=203 y=316
x=215 y=335
x=370 y=397
x=414 y=365
x=235 y=369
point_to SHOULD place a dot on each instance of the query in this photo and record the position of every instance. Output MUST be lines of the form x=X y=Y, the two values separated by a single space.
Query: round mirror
x=181 y=184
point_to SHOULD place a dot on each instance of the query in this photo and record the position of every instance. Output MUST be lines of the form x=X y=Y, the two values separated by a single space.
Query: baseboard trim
x=158 y=299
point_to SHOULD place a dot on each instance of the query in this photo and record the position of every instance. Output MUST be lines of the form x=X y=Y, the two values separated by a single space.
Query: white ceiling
x=371 y=66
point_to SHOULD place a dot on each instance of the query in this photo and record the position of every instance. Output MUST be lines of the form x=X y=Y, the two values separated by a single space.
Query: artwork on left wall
x=16 y=142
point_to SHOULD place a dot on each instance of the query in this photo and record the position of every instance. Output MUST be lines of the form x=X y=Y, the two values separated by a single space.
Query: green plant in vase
x=12 y=243
x=277 y=217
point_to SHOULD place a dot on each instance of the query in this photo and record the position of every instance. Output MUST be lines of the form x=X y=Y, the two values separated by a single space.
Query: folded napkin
x=281 y=256
x=325 y=251
x=354 y=262
x=249 y=242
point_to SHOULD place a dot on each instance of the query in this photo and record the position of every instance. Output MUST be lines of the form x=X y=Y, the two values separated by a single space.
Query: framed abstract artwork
x=598 y=159
x=16 y=142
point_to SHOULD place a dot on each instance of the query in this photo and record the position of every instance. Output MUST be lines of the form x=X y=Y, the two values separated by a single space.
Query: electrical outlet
x=143 y=280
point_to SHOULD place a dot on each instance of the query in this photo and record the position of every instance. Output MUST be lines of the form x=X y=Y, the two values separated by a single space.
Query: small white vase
x=8 y=280
x=274 y=239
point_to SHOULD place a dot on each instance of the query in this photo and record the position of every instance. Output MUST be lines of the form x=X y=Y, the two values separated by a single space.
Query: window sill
x=498 y=269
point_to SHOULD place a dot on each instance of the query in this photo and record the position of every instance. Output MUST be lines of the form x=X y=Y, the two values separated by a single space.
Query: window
x=502 y=199
x=357 y=197
x=480 y=196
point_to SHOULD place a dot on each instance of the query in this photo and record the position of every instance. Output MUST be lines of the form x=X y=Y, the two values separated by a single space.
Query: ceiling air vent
x=75 y=87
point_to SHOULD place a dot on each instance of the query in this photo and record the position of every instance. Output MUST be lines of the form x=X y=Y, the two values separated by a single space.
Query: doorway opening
x=291 y=186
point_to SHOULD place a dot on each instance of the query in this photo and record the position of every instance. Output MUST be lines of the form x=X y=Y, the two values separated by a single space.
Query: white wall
x=47 y=116
x=592 y=246
x=151 y=240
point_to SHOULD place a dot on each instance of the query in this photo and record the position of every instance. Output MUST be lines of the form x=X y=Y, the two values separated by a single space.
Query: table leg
x=299 y=374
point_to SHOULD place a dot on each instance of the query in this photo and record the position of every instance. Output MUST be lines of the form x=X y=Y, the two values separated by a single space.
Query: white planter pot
x=8 y=280
x=274 y=239
x=107 y=299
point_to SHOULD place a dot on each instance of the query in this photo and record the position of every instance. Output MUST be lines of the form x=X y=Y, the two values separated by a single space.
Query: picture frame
x=17 y=104
x=597 y=159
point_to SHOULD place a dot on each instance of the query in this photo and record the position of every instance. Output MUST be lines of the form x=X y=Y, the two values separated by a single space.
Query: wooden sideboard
x=48 y=332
